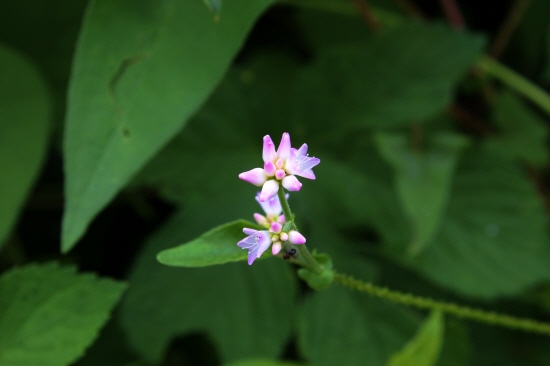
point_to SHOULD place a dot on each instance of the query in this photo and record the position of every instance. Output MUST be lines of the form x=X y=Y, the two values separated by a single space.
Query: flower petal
x=284 y=147
x=296 y=238
x=271 y=206
x=276 y=248
x=269 y=169
x=256 y=243
x=255 y=176
x=260 y=219
x=299 y=163
x=263 y=246
x=291 y=183
x=268 y=153
x=269 y=190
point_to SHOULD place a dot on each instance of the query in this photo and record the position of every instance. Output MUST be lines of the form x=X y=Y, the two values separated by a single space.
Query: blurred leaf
x=493 y=240
x=138 y=75
x=246 y=310
x=109 y=349
x=457 y=348
x=50 y=314
x=396 y=78
x=523 y=134
x=25 y=114
x=215 y=6
x=423 y=179
x=263 y=362
x=216 y=246
x=338 y=327
x=425 y=347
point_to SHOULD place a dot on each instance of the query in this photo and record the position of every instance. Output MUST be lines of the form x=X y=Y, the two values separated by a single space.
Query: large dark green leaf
x=493 y=240
x=140 y=71
x=50 y=314
x=396 y=78
x=338 y=327
x=422 y=179
x=243 y=309
x=24 y=125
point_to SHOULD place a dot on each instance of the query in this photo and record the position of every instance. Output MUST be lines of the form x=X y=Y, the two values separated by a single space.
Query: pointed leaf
x=217 y=246
x=25 y=114
x=423 y=179
x=425 y=347
x=140 y=71
x=50 y=314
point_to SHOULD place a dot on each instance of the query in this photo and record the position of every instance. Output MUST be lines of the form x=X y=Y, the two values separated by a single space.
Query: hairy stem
x=478 y=315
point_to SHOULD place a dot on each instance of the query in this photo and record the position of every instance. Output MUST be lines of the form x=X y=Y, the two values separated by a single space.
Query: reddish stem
x=508 y=27
x=453 y=14
x=367 y=14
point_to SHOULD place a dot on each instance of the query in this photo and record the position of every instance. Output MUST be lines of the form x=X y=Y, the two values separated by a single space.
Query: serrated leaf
x=425 y=347
x=245 y=310
x=493 y=240
x=522 y=134
x=414 y=66
x=422 y=179
x=25 y=113
x=50 y=314
x=338 y=327
x=216 y=246
x=139 y=74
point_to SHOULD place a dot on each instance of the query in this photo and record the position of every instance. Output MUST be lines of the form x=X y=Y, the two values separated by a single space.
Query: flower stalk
x=304 y=257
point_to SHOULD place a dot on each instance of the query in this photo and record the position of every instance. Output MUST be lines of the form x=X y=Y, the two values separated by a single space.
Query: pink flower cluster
x=280 y=168
x=258 y=241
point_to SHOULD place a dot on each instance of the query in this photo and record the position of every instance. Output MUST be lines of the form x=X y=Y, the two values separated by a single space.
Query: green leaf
x=319 y=281
x=425 y=347
x=25 y=113
x=263 y=362
x=493 y=240
x=140 y=71
x=423 y=179
x=415 y=67
x=338 y=327
x=246 y=310
x=522 y=135
x=215 y=6
x=217 y=246
x=50 y=314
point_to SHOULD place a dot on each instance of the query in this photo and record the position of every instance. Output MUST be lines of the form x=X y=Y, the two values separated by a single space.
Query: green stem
x=482 y=316
x=515 y=81
x=304 y=256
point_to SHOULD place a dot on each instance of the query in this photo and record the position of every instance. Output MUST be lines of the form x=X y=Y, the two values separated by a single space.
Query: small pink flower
x=258 y=241
x=272 y=208
x=281 y=167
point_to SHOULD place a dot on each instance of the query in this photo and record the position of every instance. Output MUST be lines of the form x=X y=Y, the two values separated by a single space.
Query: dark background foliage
x=433 y=176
